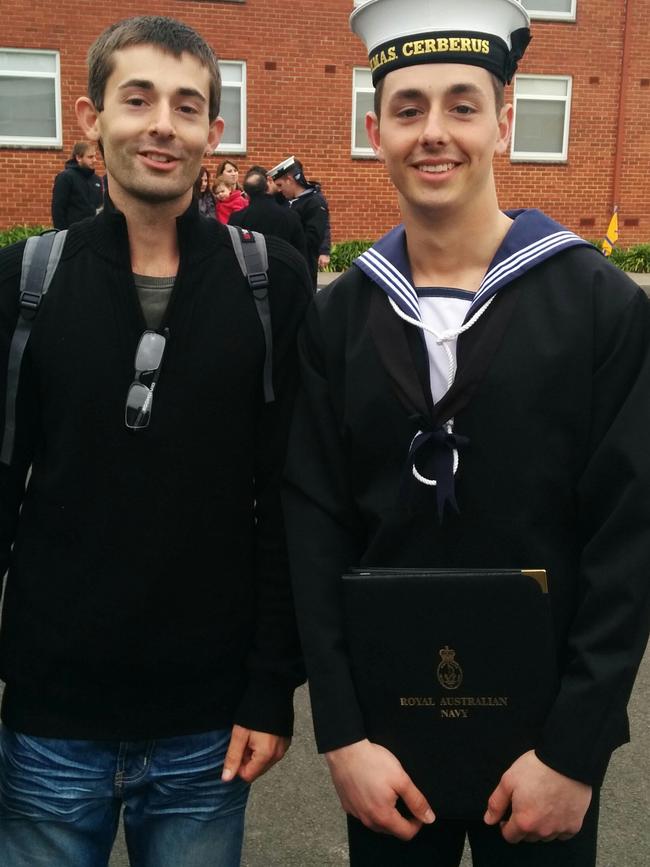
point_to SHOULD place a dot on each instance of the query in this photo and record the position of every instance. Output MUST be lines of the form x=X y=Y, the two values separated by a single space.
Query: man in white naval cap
x=475 y=395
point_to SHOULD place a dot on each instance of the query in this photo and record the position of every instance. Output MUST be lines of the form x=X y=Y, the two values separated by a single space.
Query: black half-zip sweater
x=147 y=592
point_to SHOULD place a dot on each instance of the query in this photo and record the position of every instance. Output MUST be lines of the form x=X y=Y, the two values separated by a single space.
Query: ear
x=374 y=137
x=505 y=128
x=87 y=118
x=214 y=135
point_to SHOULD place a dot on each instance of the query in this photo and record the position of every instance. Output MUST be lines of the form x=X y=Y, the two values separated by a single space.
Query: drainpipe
x=622 y=99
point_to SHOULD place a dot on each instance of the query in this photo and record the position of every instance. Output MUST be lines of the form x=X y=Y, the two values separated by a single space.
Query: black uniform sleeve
x=60 y=200
x=12 y=478
x=610 y=629
x=275 y=663
x=315 y=221
x=325 y=539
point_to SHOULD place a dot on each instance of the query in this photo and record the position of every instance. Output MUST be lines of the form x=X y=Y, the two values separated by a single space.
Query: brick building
x=296 y=81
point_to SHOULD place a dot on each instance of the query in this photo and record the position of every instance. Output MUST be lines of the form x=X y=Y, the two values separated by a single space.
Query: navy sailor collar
x=532 y=238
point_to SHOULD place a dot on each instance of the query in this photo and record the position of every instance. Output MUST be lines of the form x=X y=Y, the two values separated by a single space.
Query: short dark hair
x=256 y=184
x=171 y=36
x=497 y=85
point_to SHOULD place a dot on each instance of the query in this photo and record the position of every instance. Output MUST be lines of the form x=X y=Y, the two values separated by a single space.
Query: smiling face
x=154 y=126
x=438 y=133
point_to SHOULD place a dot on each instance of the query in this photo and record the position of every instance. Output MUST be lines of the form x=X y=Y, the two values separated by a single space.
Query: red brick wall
x=303 y=106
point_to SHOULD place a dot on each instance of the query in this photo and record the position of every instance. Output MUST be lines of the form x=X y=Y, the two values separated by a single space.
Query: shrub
x=343 y=253
x=19 y=233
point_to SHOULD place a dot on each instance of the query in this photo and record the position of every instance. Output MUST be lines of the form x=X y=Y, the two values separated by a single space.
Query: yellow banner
x=611 y=236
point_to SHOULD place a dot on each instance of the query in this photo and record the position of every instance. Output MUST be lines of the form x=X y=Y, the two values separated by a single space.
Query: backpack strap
x=40 y=258
x=250 y=249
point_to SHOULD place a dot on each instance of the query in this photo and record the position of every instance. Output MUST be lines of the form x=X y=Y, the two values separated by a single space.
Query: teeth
x=436 y=170
x=158 y=158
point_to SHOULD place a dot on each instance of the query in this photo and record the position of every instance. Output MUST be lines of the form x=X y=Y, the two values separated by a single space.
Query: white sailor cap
x=488 y=33
x=290 y=166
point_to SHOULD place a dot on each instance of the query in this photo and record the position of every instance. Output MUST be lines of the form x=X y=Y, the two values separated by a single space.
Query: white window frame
x=360 y=152
x=552 y=16
x=36 y=141
x=240 y=146
x=543 y=156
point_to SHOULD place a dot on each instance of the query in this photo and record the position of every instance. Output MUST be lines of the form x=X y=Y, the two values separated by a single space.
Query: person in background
x=264 y=215
x=77 y=192
x=230 y=172
x=304 y=198
x=203 y=194
x=228 y=199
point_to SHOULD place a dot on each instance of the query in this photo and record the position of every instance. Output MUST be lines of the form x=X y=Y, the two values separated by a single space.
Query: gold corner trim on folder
x=539 y=575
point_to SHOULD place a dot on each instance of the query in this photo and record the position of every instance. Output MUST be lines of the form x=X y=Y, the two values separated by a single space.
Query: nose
x=162 y=121
x=434 y=132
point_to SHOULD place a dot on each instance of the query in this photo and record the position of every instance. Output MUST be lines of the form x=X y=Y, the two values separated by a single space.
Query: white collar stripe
x=525 y=255
x=397 y=275
x=525 y=260
x=401 y=289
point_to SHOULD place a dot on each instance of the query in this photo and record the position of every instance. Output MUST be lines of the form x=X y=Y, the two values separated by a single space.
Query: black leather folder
x=455 y=671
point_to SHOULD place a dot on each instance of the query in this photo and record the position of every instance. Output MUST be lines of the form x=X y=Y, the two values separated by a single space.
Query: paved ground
x=294 y=819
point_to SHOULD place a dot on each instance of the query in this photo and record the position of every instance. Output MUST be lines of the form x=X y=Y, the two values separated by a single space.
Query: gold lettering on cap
x=485 y=46
x=465 y=44
x=443 y=44
x=407 y=49
x=454 y=43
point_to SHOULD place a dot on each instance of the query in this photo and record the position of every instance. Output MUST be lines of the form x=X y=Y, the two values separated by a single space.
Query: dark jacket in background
x=265 y=215
x=77 y=193
x=311 y=207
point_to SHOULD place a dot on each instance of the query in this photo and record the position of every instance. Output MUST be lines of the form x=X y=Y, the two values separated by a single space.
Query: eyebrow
x=145 y=84
x=459 y=89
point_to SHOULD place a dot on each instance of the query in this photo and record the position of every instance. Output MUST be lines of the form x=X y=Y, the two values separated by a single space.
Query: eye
x=408 y=112
x=188 y=109
x=135 y=100
x=464 y=109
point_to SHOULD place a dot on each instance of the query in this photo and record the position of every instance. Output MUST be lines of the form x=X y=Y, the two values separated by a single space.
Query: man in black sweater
x=77 y=192
x=265 y=215
x=148 y=644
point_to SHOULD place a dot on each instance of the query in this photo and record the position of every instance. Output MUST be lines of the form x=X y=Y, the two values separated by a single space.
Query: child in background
x=228 y=201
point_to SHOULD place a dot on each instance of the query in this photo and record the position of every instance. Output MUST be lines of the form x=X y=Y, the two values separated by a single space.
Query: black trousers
x=441 y=845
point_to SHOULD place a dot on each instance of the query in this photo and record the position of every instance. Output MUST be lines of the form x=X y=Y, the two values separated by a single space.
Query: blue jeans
x=60 y=802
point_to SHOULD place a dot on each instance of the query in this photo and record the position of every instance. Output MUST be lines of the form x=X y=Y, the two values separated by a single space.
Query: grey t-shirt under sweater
x=153 y=294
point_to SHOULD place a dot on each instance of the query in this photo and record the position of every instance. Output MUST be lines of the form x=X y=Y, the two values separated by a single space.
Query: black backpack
x=40 y=259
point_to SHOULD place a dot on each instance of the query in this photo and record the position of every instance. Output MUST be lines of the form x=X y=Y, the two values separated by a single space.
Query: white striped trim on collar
x=537 y=250
x=393 y=279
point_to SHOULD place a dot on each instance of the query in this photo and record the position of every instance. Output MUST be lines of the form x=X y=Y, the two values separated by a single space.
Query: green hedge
x=635 y=259
x=342 y=254
x=19 y=233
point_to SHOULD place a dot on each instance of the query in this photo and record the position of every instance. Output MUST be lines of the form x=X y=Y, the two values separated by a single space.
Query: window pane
x=364 y=102
x=540 y=127
x=27 y=107
x=231 y=72
x=547 y=5
x=18 y=61
x=542 y=86
x=362 y=78
x=231 y=113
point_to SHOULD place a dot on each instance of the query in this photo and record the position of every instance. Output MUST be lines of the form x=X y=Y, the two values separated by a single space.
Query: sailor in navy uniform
x=499 y=364
x=306 y=199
